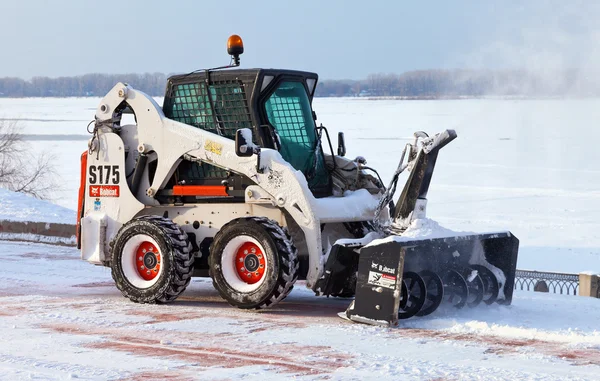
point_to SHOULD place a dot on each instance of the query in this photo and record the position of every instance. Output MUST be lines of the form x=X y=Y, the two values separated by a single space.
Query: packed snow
x=427 y=228
x=421 y=228
x=62 y=318
x=354 y=203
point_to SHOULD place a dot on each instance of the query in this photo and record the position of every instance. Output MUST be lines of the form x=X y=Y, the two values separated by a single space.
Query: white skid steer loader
x=228 y=179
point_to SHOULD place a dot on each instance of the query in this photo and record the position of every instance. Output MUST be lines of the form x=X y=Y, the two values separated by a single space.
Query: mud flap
x=380 y=269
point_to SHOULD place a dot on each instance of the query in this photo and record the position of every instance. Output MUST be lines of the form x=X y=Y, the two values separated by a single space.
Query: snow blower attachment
x=229 y=179
x=403 y=276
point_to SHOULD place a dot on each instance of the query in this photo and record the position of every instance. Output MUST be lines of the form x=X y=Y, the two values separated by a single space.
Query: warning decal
x=213 y=147
x=383 y=280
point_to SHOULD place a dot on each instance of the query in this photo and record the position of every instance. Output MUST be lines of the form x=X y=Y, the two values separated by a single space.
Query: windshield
x=288 y=111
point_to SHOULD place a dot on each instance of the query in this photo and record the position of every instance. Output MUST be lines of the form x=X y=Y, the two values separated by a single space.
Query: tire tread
x=288 y=259
x=183 y=260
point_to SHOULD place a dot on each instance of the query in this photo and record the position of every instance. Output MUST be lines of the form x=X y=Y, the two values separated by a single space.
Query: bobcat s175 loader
x=231 y=178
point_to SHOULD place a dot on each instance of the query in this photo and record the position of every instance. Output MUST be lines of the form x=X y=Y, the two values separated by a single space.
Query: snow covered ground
x=62 y=318
x=21 y=207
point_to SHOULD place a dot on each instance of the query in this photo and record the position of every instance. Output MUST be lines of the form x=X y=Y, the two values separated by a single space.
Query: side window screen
x=288 y=110
x=231 y=107
x=191 y=104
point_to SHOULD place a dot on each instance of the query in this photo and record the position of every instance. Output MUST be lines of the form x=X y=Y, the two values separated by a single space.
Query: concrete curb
x=40 y=232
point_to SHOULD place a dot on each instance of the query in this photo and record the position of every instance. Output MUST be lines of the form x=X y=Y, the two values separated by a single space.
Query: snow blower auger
x=229 y=180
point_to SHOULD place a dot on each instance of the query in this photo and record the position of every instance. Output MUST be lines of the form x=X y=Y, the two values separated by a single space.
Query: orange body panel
x=200 y=190
x=80 y=201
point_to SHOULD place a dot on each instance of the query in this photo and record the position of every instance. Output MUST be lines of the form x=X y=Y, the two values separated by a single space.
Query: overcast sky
x=337 y=39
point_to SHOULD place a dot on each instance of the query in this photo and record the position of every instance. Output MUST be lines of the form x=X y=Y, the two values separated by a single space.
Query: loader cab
x=276 y=105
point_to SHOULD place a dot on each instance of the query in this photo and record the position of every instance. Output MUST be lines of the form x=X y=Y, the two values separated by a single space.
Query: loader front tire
x=151 y=260
x=253 y=262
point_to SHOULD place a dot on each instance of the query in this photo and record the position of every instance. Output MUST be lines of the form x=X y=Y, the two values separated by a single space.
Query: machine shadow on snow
x=203 y=295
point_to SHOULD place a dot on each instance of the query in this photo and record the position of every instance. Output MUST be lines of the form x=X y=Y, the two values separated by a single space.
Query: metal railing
x=558 y=283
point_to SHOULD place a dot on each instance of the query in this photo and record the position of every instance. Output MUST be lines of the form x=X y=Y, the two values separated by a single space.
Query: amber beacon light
x=235 y=47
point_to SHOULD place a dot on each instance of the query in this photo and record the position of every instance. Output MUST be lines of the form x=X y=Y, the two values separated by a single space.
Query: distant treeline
x=412 y=84
x=89 y=85
x=465 y=83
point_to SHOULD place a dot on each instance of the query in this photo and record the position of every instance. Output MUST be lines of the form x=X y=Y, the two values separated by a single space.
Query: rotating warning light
x=235 y=46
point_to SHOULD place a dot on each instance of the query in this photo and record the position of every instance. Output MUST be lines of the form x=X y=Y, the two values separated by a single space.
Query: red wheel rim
x=147 y=260
x=250 y=263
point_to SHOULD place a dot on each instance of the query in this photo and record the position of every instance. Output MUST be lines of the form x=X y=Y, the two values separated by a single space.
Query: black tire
x=174 y=258
x=280 y=263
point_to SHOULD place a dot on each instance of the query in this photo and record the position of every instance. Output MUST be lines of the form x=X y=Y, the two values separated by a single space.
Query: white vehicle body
x=280 y=192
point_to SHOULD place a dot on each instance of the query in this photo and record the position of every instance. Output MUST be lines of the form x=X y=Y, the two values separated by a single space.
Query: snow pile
x=354 y=204
x=427 y=228
x=21 y=207
x=420 y=229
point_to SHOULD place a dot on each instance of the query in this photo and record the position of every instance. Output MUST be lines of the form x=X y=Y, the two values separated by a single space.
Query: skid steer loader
x=229 y=180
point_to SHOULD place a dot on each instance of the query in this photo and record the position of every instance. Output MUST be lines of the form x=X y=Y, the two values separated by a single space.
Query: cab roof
x=221 y=74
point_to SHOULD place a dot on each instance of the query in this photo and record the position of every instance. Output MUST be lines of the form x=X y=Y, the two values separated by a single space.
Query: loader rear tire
x=151 y=260
x=253 y=262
